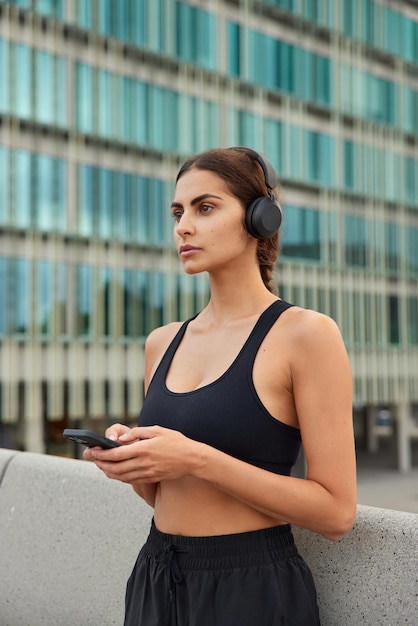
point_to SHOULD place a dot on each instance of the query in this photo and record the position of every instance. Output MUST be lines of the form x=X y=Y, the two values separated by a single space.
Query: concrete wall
x=69 y=538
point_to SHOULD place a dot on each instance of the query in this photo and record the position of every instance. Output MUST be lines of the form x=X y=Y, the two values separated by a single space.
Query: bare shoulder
x=313 y=338
x=310 y=326
x=155 y=346
x=160 y=338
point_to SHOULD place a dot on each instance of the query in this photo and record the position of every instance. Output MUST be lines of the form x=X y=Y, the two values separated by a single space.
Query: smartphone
x=89 y=438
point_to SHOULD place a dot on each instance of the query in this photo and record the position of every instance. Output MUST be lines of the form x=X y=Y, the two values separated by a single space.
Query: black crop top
x=227 y=414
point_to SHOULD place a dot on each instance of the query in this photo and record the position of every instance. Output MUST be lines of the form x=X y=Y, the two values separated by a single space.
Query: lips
x=187 y=250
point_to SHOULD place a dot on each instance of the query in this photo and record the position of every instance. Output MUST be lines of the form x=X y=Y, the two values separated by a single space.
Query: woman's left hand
x=149 y=454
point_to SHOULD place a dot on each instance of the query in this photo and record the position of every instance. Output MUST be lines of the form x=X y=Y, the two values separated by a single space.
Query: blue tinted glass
x=127 y=110
x=156 y=25
x=85 y=200
x=412 y=316
x=137 y=25
x=170 y=121
x=273 y=142
x=295 y=151
x=104 y=287
x=22 y=87
x=105 y=100
x=156 y=210
x=142 y=209
x=412 y=250
x=84 y=98
x=196 y=37
x=44 y=206
x=206 y=42
x=44 y=310
x=4 y=295
x=143 y=291
x=105 y=18
x=301 y=233
x=411 y=185
x=326 y=170
x=356 y=236
x=104 y=204
x=303 y=74
x=349 y=165
x=322 y=80
x=392 y=256
x=23 y=190
x=120 y=217
x=287 y=80
x=234 y=47
x=394 y=328
x=84 y=308
x=157 y=102
x=213 y=126
x=157 y=298
x=4 y=186
x=53 y=8
x=249 y=130
x=132 y=304
x=83 y=16
x=393 y=34
x=61 y=298
x=60 y=95
x=141 y=104
x=22 y=291
x=312 y=156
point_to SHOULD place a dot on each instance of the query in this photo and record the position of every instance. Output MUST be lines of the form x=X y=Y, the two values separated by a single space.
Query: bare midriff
x=190 y=506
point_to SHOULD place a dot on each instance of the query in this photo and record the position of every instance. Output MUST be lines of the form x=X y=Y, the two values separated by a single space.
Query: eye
x=177 y=213
x=206 y=208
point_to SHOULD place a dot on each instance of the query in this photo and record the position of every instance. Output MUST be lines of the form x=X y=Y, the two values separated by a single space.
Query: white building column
x=34 y=437
x=403 y=437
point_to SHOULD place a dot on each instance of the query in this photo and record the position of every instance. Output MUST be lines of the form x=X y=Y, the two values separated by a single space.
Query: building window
x=393 y=319
x=412 y=251
x=84 y=300
x=301 y=233
x=412 y=320
x=356 y=241
x=196 y=40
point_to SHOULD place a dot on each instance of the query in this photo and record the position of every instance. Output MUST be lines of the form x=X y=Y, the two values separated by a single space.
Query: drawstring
x=174 y=576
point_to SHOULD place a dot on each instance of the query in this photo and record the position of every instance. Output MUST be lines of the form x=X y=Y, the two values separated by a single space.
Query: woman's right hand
x=144 y=490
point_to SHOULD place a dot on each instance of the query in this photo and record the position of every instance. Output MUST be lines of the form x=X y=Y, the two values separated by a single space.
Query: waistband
x=224 y=551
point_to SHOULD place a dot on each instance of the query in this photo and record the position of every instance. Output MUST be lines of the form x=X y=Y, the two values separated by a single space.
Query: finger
x=115 y=431
x=142 y=432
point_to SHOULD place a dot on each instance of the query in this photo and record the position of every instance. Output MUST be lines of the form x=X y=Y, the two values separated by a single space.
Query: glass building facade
x=101 y=100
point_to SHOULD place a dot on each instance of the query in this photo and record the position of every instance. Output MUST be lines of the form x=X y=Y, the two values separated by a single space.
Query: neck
x=237 y=298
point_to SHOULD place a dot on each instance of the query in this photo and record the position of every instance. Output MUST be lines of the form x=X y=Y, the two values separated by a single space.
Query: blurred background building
x=101 y=100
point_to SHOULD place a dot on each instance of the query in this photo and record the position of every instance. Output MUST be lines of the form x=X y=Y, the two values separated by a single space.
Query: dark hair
x=244 y=178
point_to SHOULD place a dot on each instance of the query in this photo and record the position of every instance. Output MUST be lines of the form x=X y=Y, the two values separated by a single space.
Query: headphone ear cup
x=263 y=218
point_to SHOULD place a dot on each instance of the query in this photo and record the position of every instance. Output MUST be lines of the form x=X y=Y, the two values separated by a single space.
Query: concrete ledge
x=69 y=538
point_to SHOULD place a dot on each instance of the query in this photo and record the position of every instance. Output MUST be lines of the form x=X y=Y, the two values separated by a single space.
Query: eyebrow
x=196 y=200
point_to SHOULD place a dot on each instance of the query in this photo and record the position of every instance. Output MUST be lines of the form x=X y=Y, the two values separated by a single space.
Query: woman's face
x=209 y=229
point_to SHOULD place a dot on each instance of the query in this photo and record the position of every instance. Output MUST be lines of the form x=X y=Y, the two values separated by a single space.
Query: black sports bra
x=227 y=413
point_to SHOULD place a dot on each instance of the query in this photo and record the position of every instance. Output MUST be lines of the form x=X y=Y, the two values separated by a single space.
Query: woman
x=230 y=394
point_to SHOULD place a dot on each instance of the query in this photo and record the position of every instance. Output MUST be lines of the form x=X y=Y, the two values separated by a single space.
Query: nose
x=184 y=226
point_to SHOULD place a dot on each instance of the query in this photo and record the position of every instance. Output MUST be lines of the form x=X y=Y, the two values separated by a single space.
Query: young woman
x=230 y=395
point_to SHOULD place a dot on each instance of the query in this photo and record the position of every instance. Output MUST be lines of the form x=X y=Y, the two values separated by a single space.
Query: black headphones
x=264 y=214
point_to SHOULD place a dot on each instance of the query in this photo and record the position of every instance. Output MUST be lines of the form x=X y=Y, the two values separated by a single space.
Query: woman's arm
x=325 y=501
x=322 y=390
